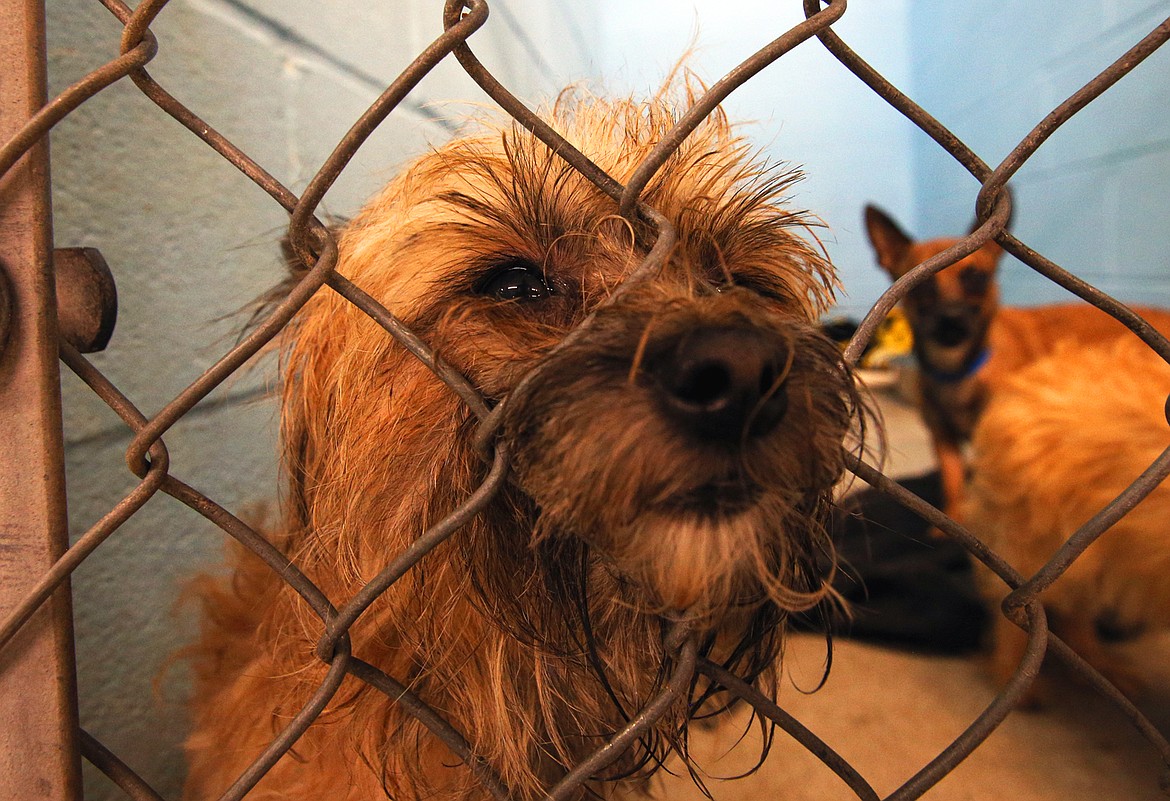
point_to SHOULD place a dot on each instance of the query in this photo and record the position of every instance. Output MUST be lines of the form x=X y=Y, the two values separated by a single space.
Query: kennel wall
x=208 y=220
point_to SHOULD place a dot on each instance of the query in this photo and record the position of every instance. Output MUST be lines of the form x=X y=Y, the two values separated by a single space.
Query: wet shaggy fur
x=537 y=629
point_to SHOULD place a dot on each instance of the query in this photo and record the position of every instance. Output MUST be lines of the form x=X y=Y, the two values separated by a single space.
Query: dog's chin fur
x=954 y=360
x=537 y=629
x=709 y=565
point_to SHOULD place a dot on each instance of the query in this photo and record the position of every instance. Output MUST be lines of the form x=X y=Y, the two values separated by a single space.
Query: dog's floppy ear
x=890 y=242
x=260 y=308
x=296 y=267
x=296 y=271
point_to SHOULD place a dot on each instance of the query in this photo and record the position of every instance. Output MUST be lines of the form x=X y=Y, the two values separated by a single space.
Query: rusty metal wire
x=147 y=457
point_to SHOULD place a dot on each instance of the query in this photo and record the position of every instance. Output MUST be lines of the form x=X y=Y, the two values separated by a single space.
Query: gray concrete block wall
x=1093 y=197
x=190 y=242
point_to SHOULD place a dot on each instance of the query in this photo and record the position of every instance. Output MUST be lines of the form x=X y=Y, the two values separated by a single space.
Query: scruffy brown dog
x=675 y=461
x=1058 y=440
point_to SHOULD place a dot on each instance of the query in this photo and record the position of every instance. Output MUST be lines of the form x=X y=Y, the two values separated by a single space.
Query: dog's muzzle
x=951 y=328
x=721 y=383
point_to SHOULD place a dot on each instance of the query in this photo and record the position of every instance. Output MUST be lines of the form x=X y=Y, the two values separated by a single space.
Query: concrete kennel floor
x=890 y=712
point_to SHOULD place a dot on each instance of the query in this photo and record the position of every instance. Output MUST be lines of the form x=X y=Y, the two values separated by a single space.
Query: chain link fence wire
x=313 y=242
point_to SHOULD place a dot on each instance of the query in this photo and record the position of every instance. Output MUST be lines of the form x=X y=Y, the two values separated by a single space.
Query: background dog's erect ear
x=890 y=242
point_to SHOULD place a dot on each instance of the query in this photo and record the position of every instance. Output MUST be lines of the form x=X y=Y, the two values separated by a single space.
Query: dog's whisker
x=640 y=351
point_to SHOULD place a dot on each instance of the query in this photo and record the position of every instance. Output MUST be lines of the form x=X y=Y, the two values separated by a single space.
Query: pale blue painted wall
x=1096 y=197
x=805 y=109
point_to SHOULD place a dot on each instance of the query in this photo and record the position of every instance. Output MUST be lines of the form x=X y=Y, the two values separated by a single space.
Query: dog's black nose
x=722 y=383
x=952 y=328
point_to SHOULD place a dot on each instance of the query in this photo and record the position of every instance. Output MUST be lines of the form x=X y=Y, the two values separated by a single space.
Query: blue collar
x=968 y=371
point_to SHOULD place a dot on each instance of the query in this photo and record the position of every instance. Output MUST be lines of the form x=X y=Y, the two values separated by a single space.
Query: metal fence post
x=38 y=700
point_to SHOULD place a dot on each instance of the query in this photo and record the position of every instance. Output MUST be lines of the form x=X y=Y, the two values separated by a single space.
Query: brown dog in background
x=675 y=461
x=1058 y=440
x=966 y=344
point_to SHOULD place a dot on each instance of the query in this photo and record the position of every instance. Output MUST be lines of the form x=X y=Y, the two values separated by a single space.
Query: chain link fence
x=36 y=598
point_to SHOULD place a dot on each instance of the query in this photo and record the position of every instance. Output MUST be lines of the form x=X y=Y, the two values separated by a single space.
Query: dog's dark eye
x=517 y=280
x=974 y=282
x=925 y=293
x=758 y=285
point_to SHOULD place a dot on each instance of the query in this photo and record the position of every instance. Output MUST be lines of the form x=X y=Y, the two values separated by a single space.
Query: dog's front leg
x=953 y=471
